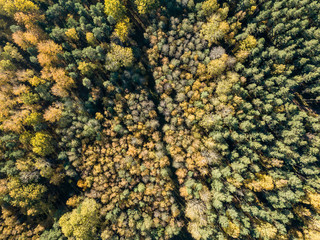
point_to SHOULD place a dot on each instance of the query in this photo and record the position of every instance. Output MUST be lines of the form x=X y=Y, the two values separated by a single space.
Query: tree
x=215 y=30
x=53 y=113
x=122 y=29
x=87 y=69
x=53 y=234
x=48 y=53
x=209 y=7
x=145 y=6
x=116 y=9
x=217 y=66
x=119 y=57
x=83 y=222
x=42 y=144
x=72 y=34
x=29 y=197
x=13 y=6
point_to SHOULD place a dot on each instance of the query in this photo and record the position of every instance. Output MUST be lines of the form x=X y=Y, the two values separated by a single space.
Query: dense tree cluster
x=159 y=119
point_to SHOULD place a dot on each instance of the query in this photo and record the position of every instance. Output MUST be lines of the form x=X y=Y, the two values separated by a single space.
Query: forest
x=159 y=119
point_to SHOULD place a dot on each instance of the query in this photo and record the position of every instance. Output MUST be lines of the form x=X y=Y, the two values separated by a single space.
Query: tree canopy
x=159 y=119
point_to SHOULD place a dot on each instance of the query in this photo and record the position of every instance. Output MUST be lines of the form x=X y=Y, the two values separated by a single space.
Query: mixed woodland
x=159 y=119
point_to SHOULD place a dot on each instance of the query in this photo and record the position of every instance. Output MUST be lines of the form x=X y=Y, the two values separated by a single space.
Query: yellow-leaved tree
x=10 y=7
x=82 y=222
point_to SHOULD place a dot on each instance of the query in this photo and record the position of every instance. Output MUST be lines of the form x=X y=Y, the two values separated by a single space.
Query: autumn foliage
x=175 y=119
